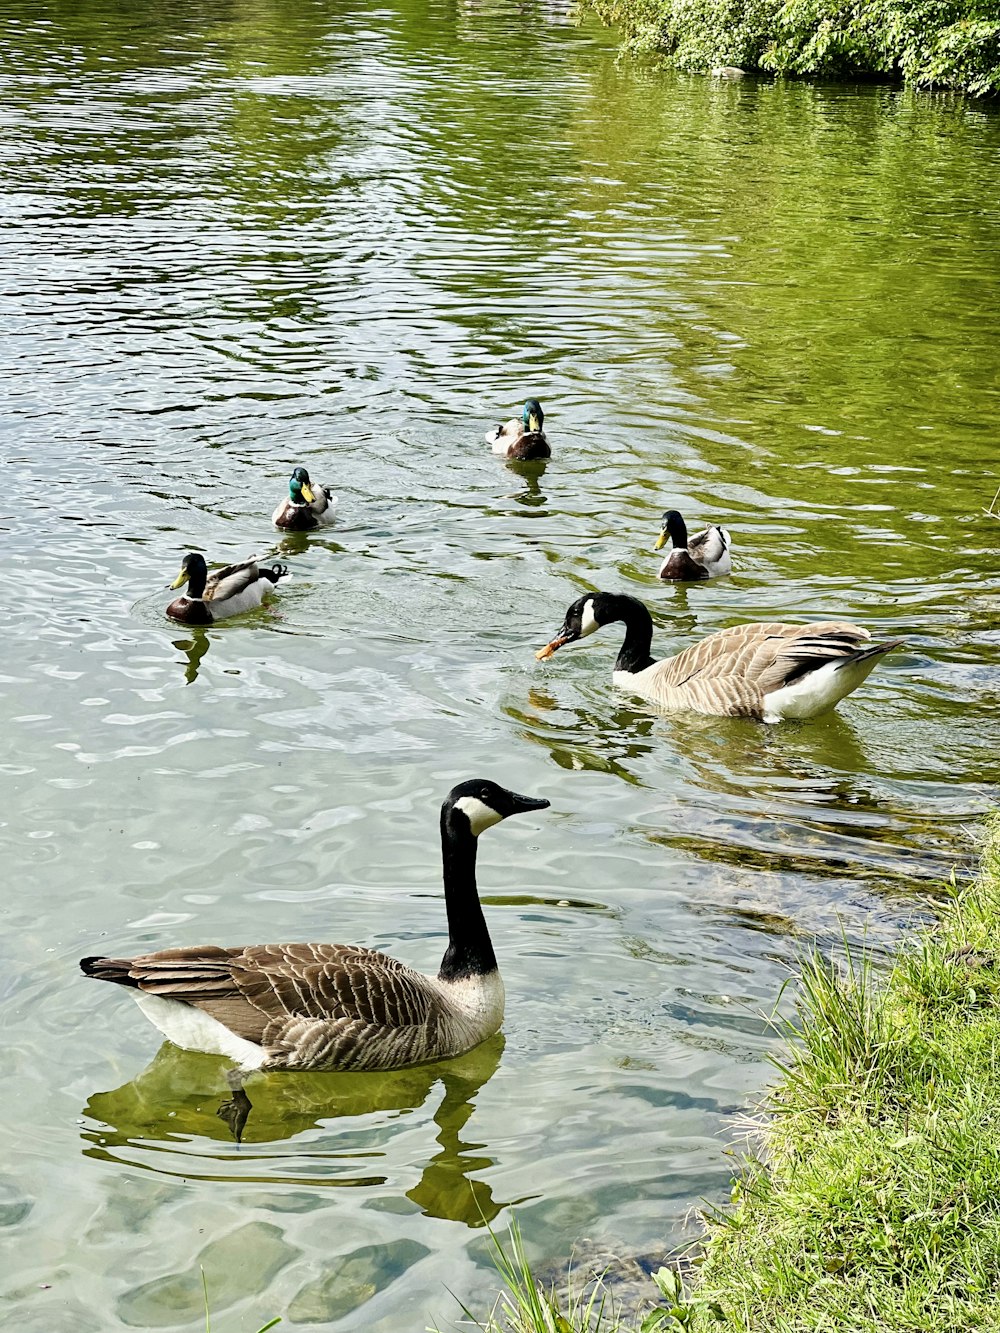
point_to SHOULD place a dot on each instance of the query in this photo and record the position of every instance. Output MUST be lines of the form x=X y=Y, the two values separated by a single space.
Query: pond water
x=240 y=236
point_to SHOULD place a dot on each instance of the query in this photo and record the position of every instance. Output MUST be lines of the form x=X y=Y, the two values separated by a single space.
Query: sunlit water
x=235 y=238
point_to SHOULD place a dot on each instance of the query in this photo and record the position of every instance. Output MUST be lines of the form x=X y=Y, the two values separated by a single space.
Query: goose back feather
x=338 y=1006
x=766 y=670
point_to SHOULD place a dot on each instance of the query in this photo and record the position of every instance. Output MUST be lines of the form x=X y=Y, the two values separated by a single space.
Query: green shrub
x=930 y=43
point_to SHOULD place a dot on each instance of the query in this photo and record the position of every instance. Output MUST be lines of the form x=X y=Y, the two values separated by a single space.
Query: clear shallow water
x=238 y=238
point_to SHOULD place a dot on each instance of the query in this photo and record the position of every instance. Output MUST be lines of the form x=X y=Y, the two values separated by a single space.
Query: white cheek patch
x=481 y=816
x=587 y=621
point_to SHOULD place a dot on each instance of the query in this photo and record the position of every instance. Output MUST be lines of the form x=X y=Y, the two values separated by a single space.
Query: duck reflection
x=193 y=649
x=297 y=543
x=176 y=1100
x=531 y=472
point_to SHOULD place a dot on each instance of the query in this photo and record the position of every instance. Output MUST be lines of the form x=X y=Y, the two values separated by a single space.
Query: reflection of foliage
x=955 y=44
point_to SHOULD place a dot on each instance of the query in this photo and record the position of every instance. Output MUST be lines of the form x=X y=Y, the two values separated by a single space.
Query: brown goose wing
x=204 y=977
x=331 y=981
x=730 y=672
x=752 y=651
x=233 y=579
x=260 y=990
x=802 y=648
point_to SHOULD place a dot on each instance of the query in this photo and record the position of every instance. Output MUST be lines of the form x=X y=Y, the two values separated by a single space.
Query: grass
x=873 y=1205
x=525 y=1307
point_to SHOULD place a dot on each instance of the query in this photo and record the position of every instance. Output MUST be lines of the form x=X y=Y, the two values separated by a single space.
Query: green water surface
x=237 y=235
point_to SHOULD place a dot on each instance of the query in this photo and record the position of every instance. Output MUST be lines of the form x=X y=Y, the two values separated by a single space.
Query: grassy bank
x=879 y=1205
x=929 y=43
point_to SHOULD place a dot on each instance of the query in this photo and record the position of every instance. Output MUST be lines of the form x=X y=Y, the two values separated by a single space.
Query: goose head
x=532 y=416
x=584 y=616
x=299 y=487
x=673 y=529
x=478 y=804
x=194 y=572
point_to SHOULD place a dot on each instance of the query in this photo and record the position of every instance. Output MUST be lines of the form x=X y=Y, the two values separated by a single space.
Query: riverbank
x=928 y=44
x=879 y=1205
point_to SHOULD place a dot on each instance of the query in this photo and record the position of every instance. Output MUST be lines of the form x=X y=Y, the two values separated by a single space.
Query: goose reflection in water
x=160 y=1120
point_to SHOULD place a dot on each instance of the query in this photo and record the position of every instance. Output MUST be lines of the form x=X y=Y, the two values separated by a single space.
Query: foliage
x=525 y=1307
x=930 y=43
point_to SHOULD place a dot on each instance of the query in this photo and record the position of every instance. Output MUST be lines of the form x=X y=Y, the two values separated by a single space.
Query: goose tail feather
x=118 y=970
x=876 y=650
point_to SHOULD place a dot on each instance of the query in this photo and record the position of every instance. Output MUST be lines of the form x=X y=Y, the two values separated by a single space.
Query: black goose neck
x=634 y=655
x=470 y=950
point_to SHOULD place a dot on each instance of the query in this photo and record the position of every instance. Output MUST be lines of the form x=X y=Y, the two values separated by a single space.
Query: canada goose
x=226 y=592
x=307 y=505
x=521 y=437
x=337 y=1006
x=704 y=556
x=766 y=671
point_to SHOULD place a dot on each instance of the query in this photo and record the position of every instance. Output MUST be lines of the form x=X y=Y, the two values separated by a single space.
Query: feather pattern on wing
x=231 y=580
x=317 y=1006
x=730 y=672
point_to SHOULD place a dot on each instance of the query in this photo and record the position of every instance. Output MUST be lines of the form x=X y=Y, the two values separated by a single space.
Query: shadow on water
x=166 y=1120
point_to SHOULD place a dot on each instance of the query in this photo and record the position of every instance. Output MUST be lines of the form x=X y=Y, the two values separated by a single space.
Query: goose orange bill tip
x=549 y=649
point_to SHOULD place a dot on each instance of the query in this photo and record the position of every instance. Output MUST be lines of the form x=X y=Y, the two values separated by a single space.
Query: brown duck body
x=530 y=445
x=522 y=438
x=703 y=556
x=292 y=517
x=679 y=566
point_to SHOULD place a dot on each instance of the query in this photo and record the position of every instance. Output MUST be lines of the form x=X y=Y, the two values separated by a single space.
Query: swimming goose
x=337 y=1006
x=766 y=671
x=226 y=592
x=703 y=556
x=307 y=506
x=521 y=437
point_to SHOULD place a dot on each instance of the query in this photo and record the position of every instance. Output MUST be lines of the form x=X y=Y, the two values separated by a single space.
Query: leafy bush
x=931 y=43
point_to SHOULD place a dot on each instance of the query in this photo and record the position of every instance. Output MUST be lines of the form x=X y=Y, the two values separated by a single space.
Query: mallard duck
x=337 y=1006
x=704 y=556
x=521 y=437
x=226 y=592
x=307 y=506
x=766 y=671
